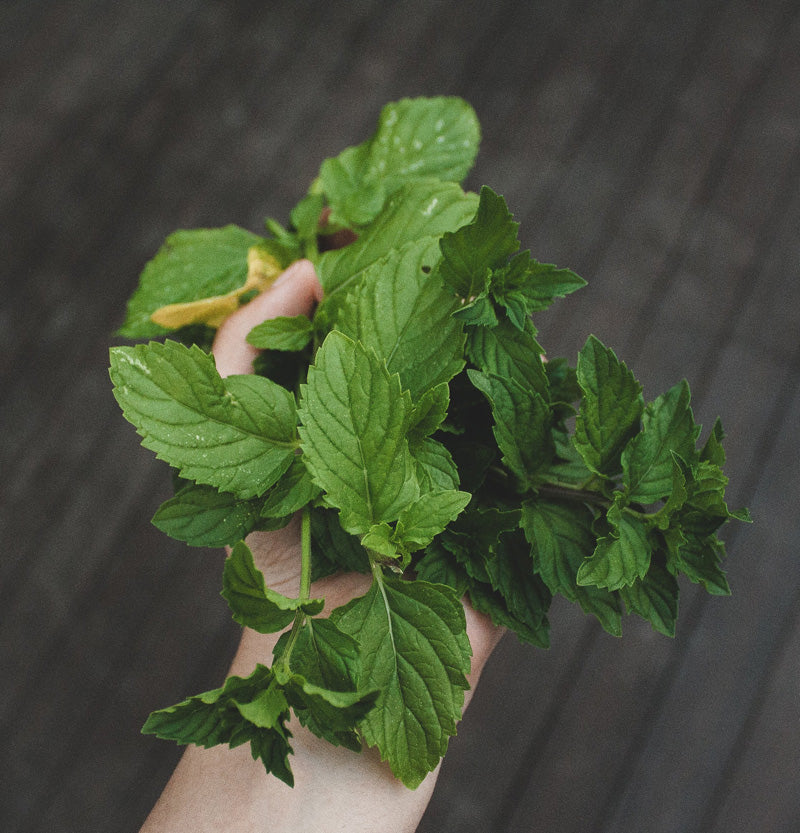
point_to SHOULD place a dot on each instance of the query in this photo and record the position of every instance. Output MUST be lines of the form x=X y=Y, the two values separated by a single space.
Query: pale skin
x=335 y=789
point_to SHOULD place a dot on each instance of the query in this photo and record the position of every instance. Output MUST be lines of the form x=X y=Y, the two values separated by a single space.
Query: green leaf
x=668 y=428
x=245 y=709
x=416 y=139
x=439 y=566
x=253 y=604
x=620 y=558
x=423 y=209
x=655 y=599
x=421 y=521
x=430 y=411
x=610 y=409
x=434 y=465
x=203 y=517
x=332 y=548
x=522 y=424
x=699 y=559
x=561 y=537
x=355 y=418
x=509 y=352
x=282 y=333
x=469 y=254
x=544 y=282
x=527 y=597
x=291 y=493
x=485 y=599
x=237 y=434
x=404 y=313
x=415 y=651
x=191 y=265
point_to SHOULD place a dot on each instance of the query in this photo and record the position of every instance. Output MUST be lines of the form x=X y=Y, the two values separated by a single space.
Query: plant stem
x=305 y=585
x=569 y=492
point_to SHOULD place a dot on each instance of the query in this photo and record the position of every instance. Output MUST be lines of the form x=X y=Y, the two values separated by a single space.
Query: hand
x=335 y=789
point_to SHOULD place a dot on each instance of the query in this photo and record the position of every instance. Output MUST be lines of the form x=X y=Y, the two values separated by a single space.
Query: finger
x=295 y=292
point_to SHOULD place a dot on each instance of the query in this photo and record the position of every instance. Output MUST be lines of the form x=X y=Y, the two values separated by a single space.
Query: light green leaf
x=434 y=465
x=415 y=651
x=430 y=411
x=424 y=519
x=416 y=139
x=190 y=266
x=355 y=418
x=282 y=333
x=610 y=410
x=668 y=428
x=486 y=243
x=255 y=605
x=203 y=517
x=424 y=209
x=561 y=537
x=404 y=313
x=237 y=434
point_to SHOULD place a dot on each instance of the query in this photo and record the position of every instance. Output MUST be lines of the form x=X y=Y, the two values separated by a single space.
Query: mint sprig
x=415 y=426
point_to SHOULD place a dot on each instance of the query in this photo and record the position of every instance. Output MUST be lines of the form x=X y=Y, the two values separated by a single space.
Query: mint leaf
x=332 y=548
x=191 y=265
x=470 y=254
x=699 y=559
x=282 y=333
x=404 y=313
x=416 y=139
x=527 y=597
x=438 y=566
x=423 y=209
x=560 y=535
x=414 y=651
x=253 y=604
x=246 y=709
x=420 y=522
x=522 y=424
x=610 y=410
x=654 y=598
x=355 y=417
x=237 y=434
x=507 y=351
x=434 y=465
x=203 y=517
x=668 y=428
x=544 y=282
x=620 y=558
x=291 y=493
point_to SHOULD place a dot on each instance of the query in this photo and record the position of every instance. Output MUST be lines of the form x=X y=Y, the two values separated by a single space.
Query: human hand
x=335 y=789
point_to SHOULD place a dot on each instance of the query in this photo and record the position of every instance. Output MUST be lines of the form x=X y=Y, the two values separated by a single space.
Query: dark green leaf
x=610 y=409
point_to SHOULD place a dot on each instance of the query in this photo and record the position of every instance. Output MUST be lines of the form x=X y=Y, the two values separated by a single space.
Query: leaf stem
x=305 y=586
x=570 y=492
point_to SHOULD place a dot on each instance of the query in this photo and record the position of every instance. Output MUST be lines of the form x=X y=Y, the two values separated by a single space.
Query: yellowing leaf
x=262 y=269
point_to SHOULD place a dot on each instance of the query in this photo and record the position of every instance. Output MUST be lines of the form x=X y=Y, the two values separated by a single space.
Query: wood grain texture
x=651 y=145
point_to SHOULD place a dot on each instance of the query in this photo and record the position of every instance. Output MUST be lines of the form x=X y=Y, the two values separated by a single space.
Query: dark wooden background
x=651 y=145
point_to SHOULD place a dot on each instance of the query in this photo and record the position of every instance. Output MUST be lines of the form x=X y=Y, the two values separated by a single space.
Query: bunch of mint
x=415 y=426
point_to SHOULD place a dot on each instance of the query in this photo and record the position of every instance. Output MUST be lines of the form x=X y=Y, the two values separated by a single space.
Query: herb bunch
x=415 y=426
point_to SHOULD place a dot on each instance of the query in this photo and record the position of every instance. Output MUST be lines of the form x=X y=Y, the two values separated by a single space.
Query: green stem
x=570 y=492
x=305 y=585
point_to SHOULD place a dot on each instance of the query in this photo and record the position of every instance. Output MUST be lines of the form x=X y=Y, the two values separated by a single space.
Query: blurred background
x=653 y=146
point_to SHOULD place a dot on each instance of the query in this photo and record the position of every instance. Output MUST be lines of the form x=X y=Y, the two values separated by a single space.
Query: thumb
x=295 y=292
